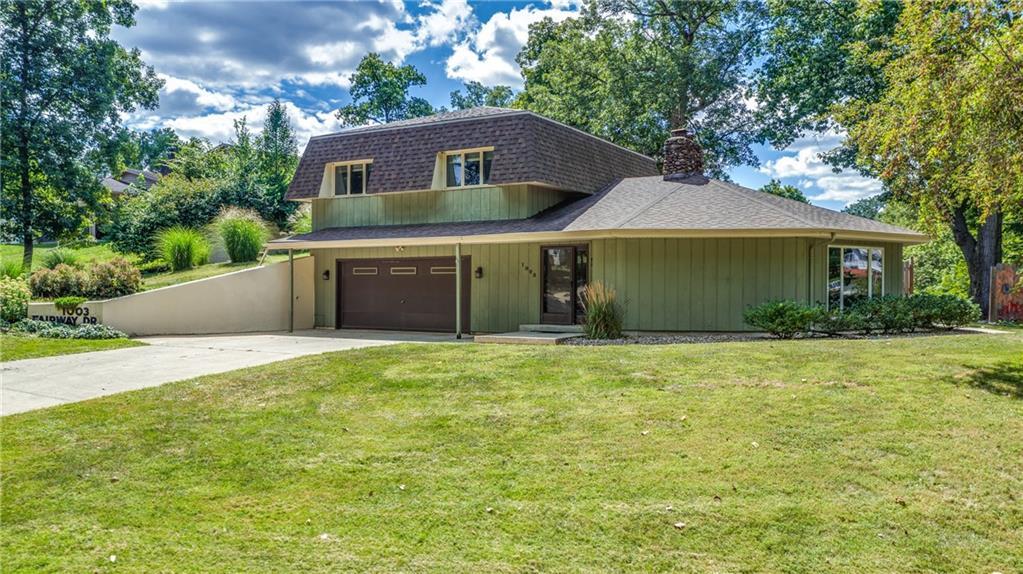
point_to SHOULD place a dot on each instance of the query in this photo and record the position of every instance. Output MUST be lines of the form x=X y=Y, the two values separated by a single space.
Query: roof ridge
x=650 y=204
x=505 y=112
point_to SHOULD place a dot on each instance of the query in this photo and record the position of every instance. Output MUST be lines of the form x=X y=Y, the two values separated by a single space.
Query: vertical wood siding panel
x=698 y=303
x=738 y=278
x=685 y=275
x=670 y=278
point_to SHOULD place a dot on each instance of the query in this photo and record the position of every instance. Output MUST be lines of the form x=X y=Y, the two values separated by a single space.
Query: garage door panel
x=401 y=294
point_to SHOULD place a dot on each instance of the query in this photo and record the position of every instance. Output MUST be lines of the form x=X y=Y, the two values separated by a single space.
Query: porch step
x=526 y=338
x=551 y=328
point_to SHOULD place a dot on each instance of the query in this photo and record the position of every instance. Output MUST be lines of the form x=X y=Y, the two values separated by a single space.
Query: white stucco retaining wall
x=243 y=301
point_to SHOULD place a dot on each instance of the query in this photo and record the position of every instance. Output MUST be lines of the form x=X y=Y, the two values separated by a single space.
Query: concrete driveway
x=48 y=381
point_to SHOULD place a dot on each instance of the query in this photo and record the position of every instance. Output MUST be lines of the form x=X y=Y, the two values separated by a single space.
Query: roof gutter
x=284 y=244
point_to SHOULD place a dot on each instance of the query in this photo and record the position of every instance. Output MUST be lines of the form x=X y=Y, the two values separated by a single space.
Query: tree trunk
x=981 y=253
x=26 y=206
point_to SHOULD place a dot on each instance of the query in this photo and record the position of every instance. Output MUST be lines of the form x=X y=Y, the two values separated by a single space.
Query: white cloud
x=444 y=22
x=488 y=54
x=219 y=127
x=180 y=93
x=803 y=162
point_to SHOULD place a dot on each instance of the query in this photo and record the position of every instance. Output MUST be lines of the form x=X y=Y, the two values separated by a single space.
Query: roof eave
x=539 y=236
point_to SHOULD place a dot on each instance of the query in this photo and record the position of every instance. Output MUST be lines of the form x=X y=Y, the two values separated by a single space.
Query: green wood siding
x=663 y=284
x=470 y=204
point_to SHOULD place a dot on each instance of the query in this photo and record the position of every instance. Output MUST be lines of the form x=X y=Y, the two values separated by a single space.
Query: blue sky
x=224 y=60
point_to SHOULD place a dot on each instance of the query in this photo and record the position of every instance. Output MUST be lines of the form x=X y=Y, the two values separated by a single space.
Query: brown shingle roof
x=648 y=203
x=527 y=148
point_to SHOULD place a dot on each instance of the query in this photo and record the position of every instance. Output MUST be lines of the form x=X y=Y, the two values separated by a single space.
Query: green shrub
x=182 y=248
x=242 y=233
x=174 y=201
x=68 y=304
x=60 y=256
x=837 y=322
x=942 y=311
x=114 y=278
x=783 y=319
x=604 y=315
x=154 y=266
x=11 y=268
x=61 y=281
x=50 y=330
x=887 y=314
x=14 y=298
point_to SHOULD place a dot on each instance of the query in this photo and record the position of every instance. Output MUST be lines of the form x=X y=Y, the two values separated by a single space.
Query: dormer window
x=468 y=167
x=352 y=178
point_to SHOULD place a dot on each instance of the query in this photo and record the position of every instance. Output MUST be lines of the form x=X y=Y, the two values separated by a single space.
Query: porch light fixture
x=478 y=273
x=326 y=275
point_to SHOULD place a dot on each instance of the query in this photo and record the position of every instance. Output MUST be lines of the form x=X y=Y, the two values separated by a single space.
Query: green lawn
x=102 y=252
x=17 y=347
x=98 y=252
x=900 y=455
x=164 y=279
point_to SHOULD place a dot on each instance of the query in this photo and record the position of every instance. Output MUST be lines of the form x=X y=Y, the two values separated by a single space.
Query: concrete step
x=526 y=338
x=552 y=328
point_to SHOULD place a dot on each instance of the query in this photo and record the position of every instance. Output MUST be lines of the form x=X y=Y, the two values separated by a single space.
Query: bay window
x=854 y=274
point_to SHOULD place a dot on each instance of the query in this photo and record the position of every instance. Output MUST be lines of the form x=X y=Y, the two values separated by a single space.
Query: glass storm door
x=565 y=270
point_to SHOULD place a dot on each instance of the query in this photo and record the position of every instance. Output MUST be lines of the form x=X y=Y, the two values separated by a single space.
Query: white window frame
x=462 y=152
x=365 y=163
x=841 y=258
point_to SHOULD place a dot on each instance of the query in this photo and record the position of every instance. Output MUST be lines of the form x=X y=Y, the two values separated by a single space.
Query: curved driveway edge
x=48 y=381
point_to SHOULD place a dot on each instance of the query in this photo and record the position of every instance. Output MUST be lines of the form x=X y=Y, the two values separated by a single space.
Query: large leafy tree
x=380 y=93
x=278 y=159
x=946 y=134
x=630 y=70
x=476 y=94
x=64 y=83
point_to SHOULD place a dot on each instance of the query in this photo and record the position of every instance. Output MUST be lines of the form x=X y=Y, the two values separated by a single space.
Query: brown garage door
x=401 y=294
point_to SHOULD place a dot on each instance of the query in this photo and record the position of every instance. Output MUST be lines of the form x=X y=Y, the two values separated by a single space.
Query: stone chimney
x=683 y=157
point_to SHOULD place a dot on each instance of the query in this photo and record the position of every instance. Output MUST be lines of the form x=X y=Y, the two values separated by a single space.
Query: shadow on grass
x=1005 y=378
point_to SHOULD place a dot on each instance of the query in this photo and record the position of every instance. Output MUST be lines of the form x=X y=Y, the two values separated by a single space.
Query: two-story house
x=509 y=214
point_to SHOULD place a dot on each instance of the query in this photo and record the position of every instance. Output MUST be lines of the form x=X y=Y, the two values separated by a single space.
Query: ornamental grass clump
x=604 y=315
x=60 y=256
x=182 y=248
x=242 y=233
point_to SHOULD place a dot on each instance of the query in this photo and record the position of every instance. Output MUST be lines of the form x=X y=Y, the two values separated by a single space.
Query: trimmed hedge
x=888 y=314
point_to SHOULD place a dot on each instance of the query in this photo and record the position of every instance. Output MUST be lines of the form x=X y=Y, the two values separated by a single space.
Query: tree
x=476 y=94
x=775 y=187
x=819 y=53
x=278 y=159
x=380 y=93
x=631 y=70
x=869 y=207
x=64 y=84
x=946 y=134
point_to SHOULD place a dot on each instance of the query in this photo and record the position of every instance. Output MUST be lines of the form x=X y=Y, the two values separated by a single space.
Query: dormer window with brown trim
x=470 y=167
x=352 y=178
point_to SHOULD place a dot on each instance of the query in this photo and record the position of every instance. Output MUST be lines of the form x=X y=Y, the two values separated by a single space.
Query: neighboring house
x=141 y=179
x=537 y=209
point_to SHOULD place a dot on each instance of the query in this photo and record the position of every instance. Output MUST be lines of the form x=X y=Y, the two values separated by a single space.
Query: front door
x=565 y=269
